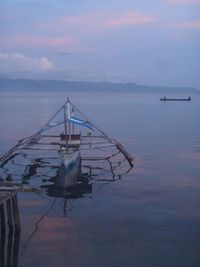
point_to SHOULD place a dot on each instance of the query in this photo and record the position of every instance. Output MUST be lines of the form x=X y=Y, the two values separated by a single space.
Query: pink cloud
x=100 y=20
x=82 y=19
x=37 y=41
x=44 y=41
x=193 y=25
x=183 y=2
x=128 y=19
x=71 y=21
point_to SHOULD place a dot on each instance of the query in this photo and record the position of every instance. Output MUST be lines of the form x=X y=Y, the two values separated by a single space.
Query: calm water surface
x=151 y=217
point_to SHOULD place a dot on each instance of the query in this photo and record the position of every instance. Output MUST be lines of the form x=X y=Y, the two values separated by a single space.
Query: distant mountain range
x=59 y=85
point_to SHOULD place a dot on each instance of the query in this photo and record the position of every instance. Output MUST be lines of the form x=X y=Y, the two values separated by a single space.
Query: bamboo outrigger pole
x=119 y=146
x=27 y=140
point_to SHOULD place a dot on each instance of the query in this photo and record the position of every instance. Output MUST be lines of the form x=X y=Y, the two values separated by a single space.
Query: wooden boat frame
x=70 y=140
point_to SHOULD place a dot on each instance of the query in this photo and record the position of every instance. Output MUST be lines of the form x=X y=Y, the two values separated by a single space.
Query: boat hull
x=175 y=99
x=70 y=169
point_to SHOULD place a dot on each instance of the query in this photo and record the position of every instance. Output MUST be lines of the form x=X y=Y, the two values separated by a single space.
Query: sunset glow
x=115 y=41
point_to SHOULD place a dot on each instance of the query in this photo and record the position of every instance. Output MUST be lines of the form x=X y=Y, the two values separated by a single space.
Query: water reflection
x=32 y=174
x=79 y=190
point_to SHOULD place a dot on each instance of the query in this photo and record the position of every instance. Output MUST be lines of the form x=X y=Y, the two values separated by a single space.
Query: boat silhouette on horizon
x=175 y=99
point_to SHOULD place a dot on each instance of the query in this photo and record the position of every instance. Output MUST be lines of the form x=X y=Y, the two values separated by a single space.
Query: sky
x=151 y=42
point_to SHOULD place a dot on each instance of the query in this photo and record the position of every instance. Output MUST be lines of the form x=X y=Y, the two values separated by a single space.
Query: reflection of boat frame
x=56 y=190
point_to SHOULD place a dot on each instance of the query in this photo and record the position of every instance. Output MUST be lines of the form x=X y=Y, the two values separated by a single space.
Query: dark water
x=149 y=217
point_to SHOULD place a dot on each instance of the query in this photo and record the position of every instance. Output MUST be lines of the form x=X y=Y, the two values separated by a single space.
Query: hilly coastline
x=62 y=85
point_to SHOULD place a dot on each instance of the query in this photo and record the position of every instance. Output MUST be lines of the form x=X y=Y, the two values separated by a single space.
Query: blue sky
x=153 y=42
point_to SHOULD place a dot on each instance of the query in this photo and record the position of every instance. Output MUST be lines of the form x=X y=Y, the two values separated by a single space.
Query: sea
x=148 y=216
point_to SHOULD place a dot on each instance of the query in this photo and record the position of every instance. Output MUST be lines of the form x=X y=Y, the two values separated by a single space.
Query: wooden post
x=2 y=218
x=9 y=214
x=16 y=248
x=9 y=255
x=16 y=213
x=3 y=235
x=9 y=228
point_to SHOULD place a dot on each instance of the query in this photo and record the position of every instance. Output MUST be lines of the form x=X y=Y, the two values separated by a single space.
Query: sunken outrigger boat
x=175 y=99
x=69 y=133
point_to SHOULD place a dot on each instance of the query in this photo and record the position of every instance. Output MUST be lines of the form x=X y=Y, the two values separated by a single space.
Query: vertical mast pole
x=73 y=123
x=68 y=117
x=65 y=124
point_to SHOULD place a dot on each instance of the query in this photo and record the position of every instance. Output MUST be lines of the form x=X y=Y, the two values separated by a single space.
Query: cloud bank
x=20 y=62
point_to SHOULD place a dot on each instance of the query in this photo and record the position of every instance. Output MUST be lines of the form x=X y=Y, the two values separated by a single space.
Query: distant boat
x=175 y=99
